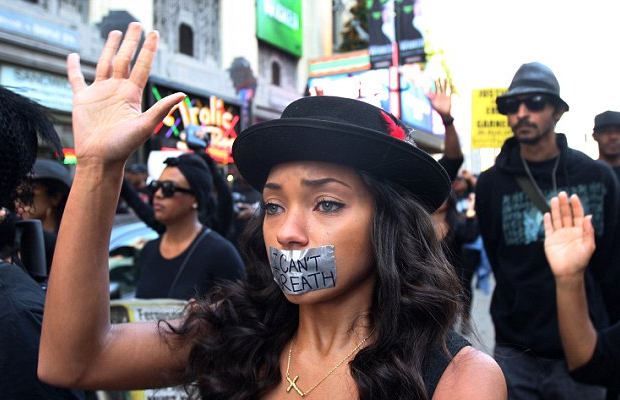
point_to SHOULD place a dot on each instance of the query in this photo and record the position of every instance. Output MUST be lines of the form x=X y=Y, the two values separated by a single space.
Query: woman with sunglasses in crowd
x=348 y=292
x=217 y=213
x=188 y=257
x=51 y=182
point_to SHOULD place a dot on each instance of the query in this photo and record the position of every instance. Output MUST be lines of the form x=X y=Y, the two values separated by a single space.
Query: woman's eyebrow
x=272 y=186
x=307 y=182
x=322 y=182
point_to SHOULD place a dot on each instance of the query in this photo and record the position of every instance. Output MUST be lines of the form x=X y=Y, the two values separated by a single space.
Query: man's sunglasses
x=168 y=188
x=533 y=103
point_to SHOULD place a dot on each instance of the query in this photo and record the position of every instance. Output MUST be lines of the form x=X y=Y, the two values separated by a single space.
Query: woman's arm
x=569 y=244
x=143 y=211
x=79 y=347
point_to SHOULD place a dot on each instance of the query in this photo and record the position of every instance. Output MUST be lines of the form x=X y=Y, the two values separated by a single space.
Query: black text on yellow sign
x=489 y=128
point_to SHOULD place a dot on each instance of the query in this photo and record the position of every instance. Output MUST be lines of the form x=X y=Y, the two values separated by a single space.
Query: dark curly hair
x=237 y=345
x=22 y=124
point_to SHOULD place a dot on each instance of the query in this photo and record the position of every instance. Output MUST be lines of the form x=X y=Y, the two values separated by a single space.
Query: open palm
x=569 y=236
x=108 y=120
x=441 y=98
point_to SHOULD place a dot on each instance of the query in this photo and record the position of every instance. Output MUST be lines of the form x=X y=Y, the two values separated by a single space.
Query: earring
x=195 y=206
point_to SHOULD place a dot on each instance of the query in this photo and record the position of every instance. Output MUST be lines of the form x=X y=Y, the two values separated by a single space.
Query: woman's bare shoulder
x=472 y=374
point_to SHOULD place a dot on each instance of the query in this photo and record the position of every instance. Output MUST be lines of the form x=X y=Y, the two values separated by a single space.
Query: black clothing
x=438 y=361
x=523 y=306
x=604 y=366
x=49 y=241
x=21 y=313
x=214 y=258
x=451 y=165
x=462 y=230
x=143 y=211
x=222 y=220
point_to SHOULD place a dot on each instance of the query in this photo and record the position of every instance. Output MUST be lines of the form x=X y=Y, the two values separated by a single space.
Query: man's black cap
x=606 y=118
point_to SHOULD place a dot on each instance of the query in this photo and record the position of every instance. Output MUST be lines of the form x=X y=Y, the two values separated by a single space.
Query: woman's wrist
x=447 y=120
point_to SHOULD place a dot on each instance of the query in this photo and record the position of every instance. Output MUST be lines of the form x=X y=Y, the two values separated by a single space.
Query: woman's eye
x=328 y=206
x=271 y=208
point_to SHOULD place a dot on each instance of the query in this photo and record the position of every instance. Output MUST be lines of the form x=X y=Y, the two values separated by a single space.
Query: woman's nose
x=159 y=193
x=293 y=230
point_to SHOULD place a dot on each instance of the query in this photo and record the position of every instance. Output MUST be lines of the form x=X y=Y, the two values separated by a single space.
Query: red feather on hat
x=394 y=129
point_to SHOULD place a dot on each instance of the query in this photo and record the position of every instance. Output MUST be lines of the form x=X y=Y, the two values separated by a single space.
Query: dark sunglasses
x=168 y=188
x=533 y=103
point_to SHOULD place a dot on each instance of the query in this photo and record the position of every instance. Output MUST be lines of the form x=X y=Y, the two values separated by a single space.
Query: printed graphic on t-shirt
x=522 y=221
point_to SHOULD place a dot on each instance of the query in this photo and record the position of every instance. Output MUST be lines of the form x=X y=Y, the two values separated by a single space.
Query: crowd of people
x=342 y=267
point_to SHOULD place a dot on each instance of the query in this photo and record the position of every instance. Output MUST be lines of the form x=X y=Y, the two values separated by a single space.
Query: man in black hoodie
x=511 y=197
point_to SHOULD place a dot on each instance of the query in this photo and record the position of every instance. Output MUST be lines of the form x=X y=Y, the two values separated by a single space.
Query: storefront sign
x=489 y=129
x=278 y=22
x=197 y=122
x=37 y=29
x=49 y=90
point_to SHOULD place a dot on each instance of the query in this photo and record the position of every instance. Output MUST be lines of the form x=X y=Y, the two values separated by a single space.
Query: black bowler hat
x=533 y=78
x=606 y=118
x=346 y=132
x=50 y=170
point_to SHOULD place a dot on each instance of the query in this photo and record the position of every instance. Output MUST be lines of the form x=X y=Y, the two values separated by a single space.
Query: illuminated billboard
x=392 y=23
x=198 y=122
x=372 y=86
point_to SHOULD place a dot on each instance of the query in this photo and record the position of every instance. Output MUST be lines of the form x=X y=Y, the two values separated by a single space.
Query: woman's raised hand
x=569 y=236
x=108 y=122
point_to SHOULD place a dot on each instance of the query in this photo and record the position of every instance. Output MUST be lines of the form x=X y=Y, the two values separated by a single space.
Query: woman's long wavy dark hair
x=237 y=345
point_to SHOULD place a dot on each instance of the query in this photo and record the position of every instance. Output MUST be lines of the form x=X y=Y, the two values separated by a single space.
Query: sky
x=485 y=42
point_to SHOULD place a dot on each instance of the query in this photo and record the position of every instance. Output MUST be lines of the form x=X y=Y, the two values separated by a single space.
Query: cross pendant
x=293 y=385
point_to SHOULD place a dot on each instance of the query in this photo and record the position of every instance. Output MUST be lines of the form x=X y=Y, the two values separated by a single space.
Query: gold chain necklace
x=293 y=382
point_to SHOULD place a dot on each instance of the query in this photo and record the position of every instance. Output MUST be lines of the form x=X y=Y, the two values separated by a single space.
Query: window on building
x=275 y=73
x=186 y=40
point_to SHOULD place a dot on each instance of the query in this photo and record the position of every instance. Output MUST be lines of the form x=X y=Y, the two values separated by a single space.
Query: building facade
x=230 y=57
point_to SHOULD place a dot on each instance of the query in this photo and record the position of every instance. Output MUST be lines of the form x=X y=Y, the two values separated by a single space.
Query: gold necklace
x=293 y=382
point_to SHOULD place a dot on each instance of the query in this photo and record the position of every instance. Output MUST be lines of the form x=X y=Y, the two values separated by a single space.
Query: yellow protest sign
x=489 y=129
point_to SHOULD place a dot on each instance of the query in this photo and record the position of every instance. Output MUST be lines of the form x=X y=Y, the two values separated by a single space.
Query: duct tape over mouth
x=302 y=271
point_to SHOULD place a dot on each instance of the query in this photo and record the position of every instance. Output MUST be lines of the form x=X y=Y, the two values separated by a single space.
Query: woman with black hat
x=348 y=294
x=51 y=182
x=188 y=258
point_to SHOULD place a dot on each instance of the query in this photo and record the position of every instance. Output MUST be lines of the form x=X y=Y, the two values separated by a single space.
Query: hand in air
x=108 y=121
x=441 y=97
x=569 y=236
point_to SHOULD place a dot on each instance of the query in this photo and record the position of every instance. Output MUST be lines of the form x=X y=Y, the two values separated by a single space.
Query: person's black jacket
x=523 y=307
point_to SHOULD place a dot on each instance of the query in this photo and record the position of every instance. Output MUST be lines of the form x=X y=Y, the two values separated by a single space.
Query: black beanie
x=197 y=173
